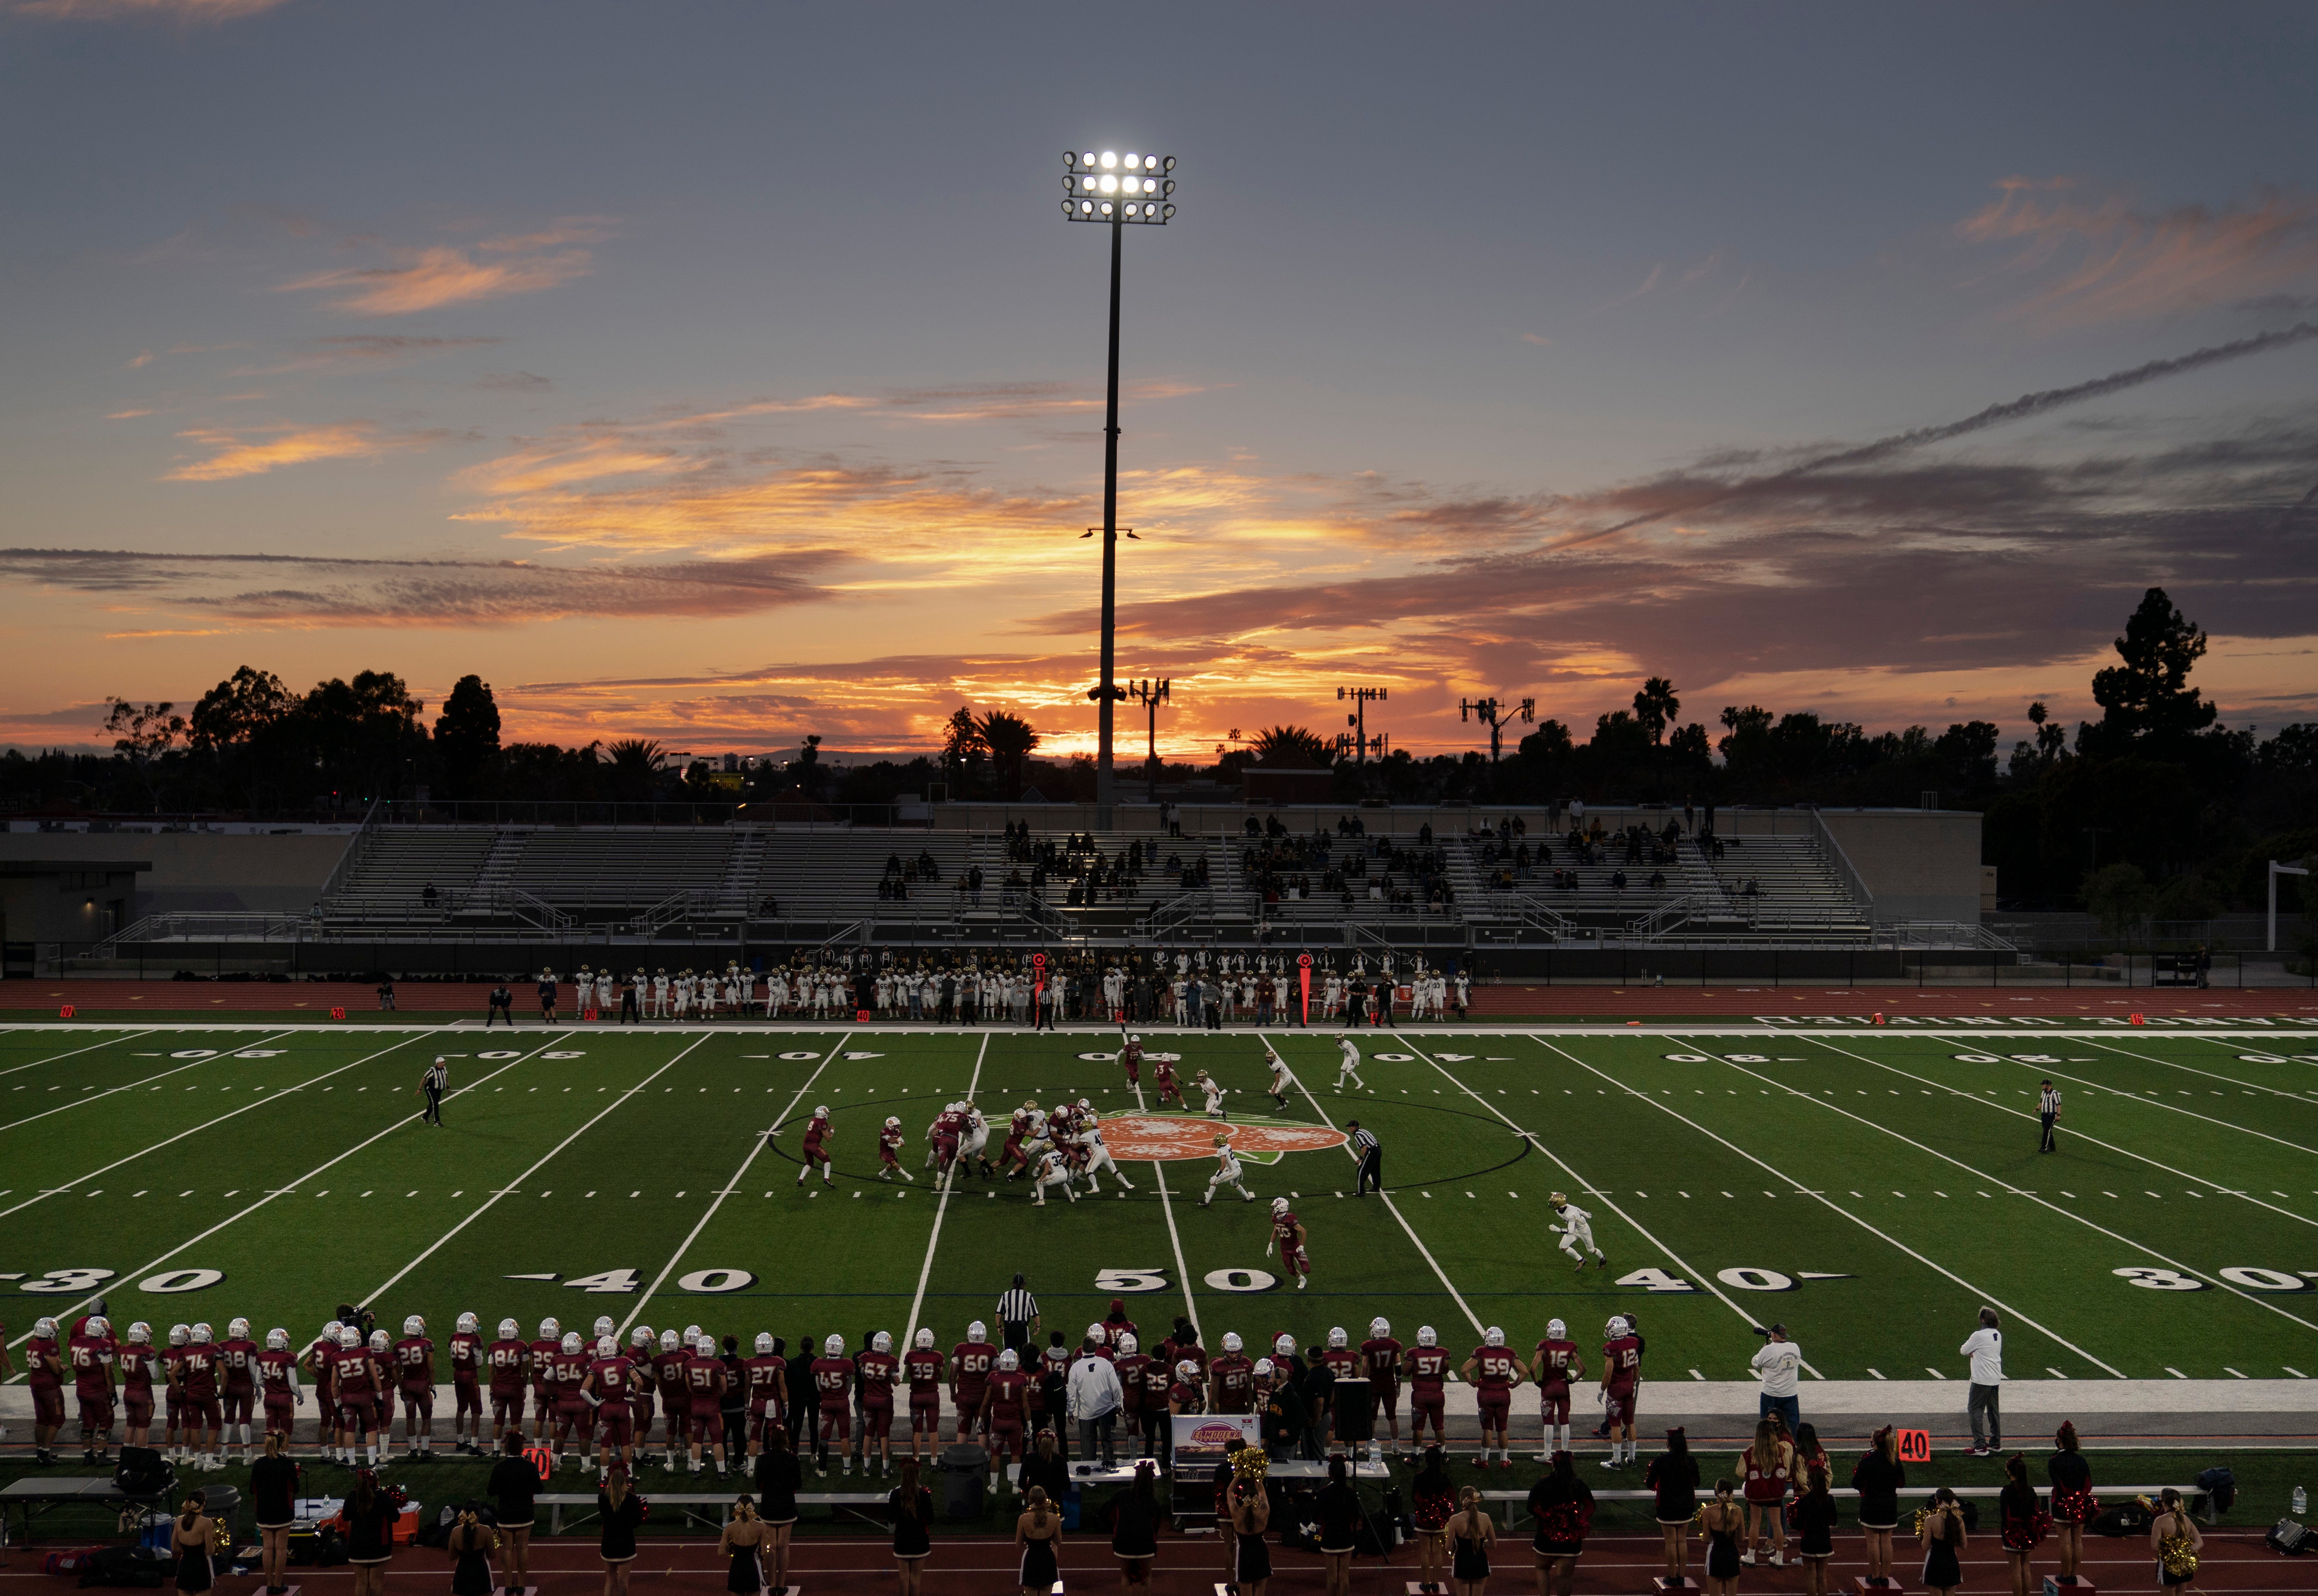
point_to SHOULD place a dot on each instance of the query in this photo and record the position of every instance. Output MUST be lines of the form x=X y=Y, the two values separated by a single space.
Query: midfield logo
x=1172 y=1137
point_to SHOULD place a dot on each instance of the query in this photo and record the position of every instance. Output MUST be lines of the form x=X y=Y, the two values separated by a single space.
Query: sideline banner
x=1209 y=1438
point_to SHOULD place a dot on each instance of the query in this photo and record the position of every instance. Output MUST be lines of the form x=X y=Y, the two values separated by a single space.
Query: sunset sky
x=722 y=372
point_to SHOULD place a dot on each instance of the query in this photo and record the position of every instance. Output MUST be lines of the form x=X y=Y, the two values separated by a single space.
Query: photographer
x=1777 y=1365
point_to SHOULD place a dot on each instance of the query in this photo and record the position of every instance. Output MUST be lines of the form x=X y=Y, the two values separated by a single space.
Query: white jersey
x=1352 y=1053
x=1215 y=1096
x=1226 y=1166
x=1576 y=1220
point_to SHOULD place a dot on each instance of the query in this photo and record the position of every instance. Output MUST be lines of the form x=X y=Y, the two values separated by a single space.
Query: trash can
x=964 y=1470
x=224 y=1505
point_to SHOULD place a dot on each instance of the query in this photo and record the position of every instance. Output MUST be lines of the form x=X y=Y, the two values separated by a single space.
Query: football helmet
x=1029 y=1105
x=1098 y=1331
x=606 y=1346
x=379 y=1341
x=1263 y=1366
x=549 y=1330
x=668 y=1342
x=1134 y=1038
x=1619 y=1326
x=691 y=1334
x=1128 y=1344
x=640 y=1336
x=1337 y=1338
x=1493 y=1337
x=510 y=1329
x=1559 y=1199
x=1231 y=1340
x=881 y=1343
x=348 y=1338
x=1278 y=1207
x=95 y=1325
x=202 y=1335
x=414 y=1325
x=1222 y=1140
x=468 y=1325
x=1556 y=1330
x=764 y=1343
x=1283 y=1345
x=570 y=1346
x=142 y=1333
x=1427 y=1336
x=924 y=1340
x=834 y=1347
x=1187 y=1370
x=45 y=1327
x=1008 y=1360
x=238 y=1329
x=1085 y=1107
x=1378 y=1328
x=977 y=1331
x=604 y=1325
x=893 y=1122
x=821 y=1111
x=276 y=1341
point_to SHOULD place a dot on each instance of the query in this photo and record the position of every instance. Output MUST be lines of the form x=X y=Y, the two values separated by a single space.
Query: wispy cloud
x=144 y=358
x=2110 y=260
x=173 y=11
x=433 y=277
x=363 y=350
x=254 y=452
x=125 y=415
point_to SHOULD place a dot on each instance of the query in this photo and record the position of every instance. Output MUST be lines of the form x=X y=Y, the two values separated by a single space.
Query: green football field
x=1871 y=1189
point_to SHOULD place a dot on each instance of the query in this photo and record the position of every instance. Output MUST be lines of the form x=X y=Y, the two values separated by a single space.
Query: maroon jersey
x=1112 y=1329
x=669 y=1375
x=889 y=1145
x=610 y=1377
x=44 y=1365
x=877 y=1372
x=1158 y=1375
x=1493 y=1368
x=274 y=1370
x=970 y=1363
x=567 y=1375
x=507 y=1359
x=137 y=1362
x=198 y=1369
x=766 y=1374
x=1131 y=1380
x=1232 y=1378
x=1184 y=1397
x=1381 y=1355
x=238 y=1358
x=1621 y=1360
x=324 y=1356
x=814 y=1131
x=173 y=1358
x=1006 y=1390
x=832 y=1378
x=542 y=1360
x=1131 y=1055
x=704 y=1378
x=1343 y=1362
x=350 y=1373
x=1163 y=1071
x=92 y=1364
x=466 y=1357
x=1556 y=1362
x=1284 y=1231
x=924 y=1370
x=1428 y=1367
x=412 y=1354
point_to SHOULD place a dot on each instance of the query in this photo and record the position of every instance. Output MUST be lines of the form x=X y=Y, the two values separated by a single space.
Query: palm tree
x=1656 y=706
x=1292 y=745
x=1011 y=740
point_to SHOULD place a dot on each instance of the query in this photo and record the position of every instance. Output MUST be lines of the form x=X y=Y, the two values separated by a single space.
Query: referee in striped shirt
x=437 y=1080
x=1370 y=1153
x=1017 y=1317
x=2048 y=1111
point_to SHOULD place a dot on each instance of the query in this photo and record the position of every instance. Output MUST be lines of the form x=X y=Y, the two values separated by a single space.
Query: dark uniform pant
x=434 y=1105
x=1371 y=1173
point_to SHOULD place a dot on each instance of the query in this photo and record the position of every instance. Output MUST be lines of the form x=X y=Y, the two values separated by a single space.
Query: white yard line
x=79 y=1102
x=2019 y=1191
x=941 y=1204
x=515 y=1184
x=1392 y=1208
x=1174 y=1236
x=2176 y=1107
x=77 y=1052
x=285 y=1190
x=763 y=1137
x=1978 y=1291
x=205 y=1124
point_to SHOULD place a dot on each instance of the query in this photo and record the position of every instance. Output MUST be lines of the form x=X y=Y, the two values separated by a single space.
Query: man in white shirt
x=1985 y=1348
x=1777 y=1366
x=1095 y=1396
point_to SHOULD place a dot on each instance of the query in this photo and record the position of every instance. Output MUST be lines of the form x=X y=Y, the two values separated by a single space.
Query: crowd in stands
x=1288 y=866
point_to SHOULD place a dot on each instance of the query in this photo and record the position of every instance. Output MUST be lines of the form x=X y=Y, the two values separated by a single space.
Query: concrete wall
x=1920 y=863
x=201 y=870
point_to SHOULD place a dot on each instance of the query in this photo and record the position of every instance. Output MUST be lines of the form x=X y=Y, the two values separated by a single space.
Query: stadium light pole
x=1151 y=695
x=1496 y=717
x=1359 y=719
x=1119 y=190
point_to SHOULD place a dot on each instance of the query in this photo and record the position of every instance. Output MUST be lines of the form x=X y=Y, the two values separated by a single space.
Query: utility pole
x=1497 y=716
x=1361 y=697
x=1151 y=695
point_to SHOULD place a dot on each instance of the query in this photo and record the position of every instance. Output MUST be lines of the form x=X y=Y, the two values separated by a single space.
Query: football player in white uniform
x=1213 y=1092
x=1350 y=1067
x=1052 y=1172
x=1576 y=1231
x=1227 y=1173
x=1282 y=1082
x=1097 y=1157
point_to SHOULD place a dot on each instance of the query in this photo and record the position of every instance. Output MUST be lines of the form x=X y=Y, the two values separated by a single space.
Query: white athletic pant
x=1221 y=1179
x=1062 y=1178
x=1578 y=1240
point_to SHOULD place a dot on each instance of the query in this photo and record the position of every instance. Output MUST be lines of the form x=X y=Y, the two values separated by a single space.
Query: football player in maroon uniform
x=1288 y=1235
x=277 y=1381
x=1231 y=1378
x=706 y=1379
x=1353 y=1410
x=1130 y=1057
x=1428 y=1374
x=508 y=1360
x=922 y=1367
x=833 y=1384
x=971 y=1363
x=139 y=1364
x=1162 y=1076
x=319 y=1360
x=173 y=1399
x=354 y=1380
x=1005 y=1407
x=466 y=1386
x=1127 y=1354
x=414 y=1376
x=1019 y=1128
x=91 y=1353
x=237 y=1356
x=44 y=1371
x=675 y=1396
x=1558 y=1362
x=816 y=1131
x=1493 y=1372
x=197 y=1374
x=1116 y=1324
x=381 y=1357
x=1381 y=1355
x=1158 y=1381
x=641 y=1348
x=879 y=1370
x=889 y=1152
x=549 y=1342
x=610 y=1378
x=1621 y=1379
x=766 y=1374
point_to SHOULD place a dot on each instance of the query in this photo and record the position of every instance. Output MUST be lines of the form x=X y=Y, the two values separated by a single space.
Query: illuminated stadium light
x=1106 y=186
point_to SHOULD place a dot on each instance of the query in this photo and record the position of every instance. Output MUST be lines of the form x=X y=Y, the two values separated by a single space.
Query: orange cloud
x=431 y=278
x=2115 y=262
x=236 y=456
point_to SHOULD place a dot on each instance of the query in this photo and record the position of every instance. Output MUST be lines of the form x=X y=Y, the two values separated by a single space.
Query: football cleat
x=1231 y=1340
x=977 y=1331
x=468 y=1325
x=569 y=1345
x=925 y=1340
x=510 y=1329
x=549 y=1330
x=414 y=1325
x=1378 y=1328
x=881 y=1343
x=1493 y=1337
x=834 y=1347
x=1008 y=1360
x=668 y=1342
x=1427 y=1337
x=276 y=1341
x=237 y=1331
x=604 y=1325
x=142 y=1333
x=1556 y=1330
x=606 y=1346
x=200 y=1335
x=764 y=1343
x=1127 y=1343
x=1337 y=1338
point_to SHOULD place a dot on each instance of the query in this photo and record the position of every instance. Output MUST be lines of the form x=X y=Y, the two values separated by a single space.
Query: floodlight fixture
x=1108 y=186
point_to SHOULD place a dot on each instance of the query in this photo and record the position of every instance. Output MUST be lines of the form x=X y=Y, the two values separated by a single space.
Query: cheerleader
x=1432 y=1502
x=1720 y=1523
x=1673 y=1474
x=2175 y=1538
x=1251 y=1514
x=2073 y=1502
x=1563 y=1507
x=1878 y=1478
x=1037 y=1534
x=1941 y=1531
x=1769 y=1465
x=1815 y=1528
x=191 y=1538
x=1471 y=1533
x=2023 y=1521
